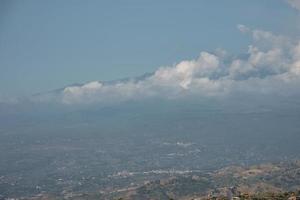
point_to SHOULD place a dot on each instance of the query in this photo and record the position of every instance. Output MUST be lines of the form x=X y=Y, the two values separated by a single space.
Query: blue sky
x=46 y=45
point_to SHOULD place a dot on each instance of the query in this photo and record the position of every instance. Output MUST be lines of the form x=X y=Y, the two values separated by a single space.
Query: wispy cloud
x=294 y=3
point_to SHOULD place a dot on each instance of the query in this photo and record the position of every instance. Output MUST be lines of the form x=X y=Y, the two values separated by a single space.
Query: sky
x=45 y=45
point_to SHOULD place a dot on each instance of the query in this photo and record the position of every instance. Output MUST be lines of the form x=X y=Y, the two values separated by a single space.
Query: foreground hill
x=265 y=181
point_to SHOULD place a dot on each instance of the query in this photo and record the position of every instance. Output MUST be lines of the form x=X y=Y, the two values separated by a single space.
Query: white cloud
x=294 y=3
x=243 y=28
x=272 y=65
x=183 y=73
x=266 y=40
x=295 y=67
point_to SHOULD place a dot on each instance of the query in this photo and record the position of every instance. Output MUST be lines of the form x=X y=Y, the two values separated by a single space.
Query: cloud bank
x=270 y=66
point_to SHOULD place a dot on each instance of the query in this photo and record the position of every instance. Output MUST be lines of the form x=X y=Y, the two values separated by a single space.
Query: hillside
x=265 y=181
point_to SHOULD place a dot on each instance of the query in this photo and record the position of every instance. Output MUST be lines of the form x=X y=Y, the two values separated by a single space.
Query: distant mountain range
x=110 y=82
